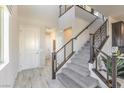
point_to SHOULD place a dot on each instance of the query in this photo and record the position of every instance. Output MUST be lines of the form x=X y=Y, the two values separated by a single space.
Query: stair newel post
x=91 y=48
x=114 y=71
x=92 y=11
x=54 y=61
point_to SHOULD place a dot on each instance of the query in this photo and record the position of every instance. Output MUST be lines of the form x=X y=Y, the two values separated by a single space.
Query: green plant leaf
x=108 y=64
x=120 y=62
x=120 y=73
x=120 y=67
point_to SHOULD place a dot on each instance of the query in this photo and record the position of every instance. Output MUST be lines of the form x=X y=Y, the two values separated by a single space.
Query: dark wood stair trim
x=101 y=77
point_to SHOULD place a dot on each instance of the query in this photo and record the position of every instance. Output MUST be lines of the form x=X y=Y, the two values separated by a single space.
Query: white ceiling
x=46 y=14
x=116 y=11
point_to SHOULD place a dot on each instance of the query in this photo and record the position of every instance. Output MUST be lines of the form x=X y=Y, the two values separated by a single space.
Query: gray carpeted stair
x=84 y=82
x=79 y=69
x=67 y=82
x=76 y=74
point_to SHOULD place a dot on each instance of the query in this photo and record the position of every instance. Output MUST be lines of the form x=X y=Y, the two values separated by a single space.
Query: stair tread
x=80 y=64
x=87 y=44
x=82 y=55
x=55 y=84
x=84 y=51
x=76 y=59
x=78 y=69
x=85 y=47
x=67 y=82
x=86 y=82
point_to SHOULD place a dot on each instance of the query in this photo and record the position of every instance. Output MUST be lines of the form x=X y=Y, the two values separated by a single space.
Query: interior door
x=118 y=35
x=29 y=48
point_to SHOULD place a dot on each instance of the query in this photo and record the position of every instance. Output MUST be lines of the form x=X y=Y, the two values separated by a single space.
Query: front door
x=29 y=48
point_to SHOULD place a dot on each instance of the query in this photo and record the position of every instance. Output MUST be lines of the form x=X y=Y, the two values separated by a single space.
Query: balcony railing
x=106 y=68
x=97 y=40
x=64 y=8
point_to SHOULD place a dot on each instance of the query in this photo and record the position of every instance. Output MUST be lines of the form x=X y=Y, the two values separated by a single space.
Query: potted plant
x=120 y=67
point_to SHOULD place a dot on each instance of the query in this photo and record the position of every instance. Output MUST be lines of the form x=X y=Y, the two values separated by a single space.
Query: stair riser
x=82 y=81
x=76 y=80
x=84 y=72
x=67 y=82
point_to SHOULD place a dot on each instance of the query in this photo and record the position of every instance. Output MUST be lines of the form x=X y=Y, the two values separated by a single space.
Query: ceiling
x=116 y=11
x=46 y=14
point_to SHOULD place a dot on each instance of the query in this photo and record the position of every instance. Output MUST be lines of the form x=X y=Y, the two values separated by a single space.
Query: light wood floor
x=34 y=78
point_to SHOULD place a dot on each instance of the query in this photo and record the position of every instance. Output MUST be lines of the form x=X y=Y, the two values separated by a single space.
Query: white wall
x=46 y=14
x=67 y=20
x=9 y=72
x=80 y=24
x=82 y=14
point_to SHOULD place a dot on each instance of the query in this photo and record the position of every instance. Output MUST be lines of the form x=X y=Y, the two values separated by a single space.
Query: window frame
x=1 y=35
x=4 y=36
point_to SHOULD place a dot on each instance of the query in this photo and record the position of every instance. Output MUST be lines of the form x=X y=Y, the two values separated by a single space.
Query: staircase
x=76 y=74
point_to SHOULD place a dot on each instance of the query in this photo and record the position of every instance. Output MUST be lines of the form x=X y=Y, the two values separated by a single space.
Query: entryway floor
x=34 y=78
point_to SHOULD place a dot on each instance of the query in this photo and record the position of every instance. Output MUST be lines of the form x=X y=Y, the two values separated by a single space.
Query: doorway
x=31 y=48
x=50 y=35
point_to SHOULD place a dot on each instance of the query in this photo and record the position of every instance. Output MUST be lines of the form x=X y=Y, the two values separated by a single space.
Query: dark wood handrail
x=92 y=10
x=113 y=59
x=65 y=10
x=100 y=51
x=85 y=29
x=64 y=45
